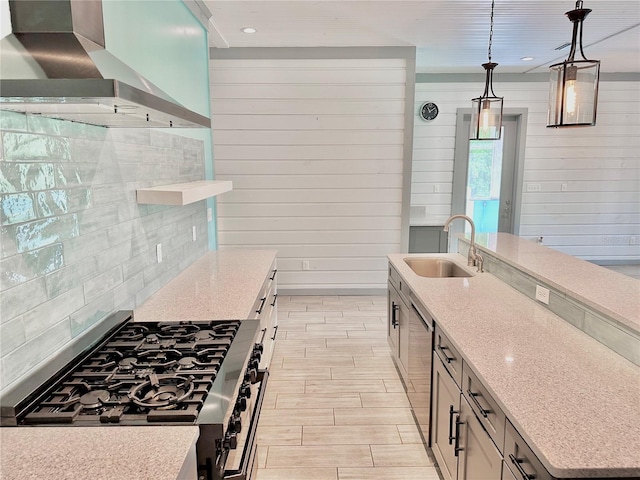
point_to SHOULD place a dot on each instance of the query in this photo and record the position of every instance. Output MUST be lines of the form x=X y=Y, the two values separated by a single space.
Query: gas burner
x=128 y=364
x=187 y=362
x=221 y=326
x=204 y=334
x=94 y=399
x=162 y=391
x=152 y=338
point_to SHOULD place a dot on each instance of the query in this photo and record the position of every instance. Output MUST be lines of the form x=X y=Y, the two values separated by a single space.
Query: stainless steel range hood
x=55 y=64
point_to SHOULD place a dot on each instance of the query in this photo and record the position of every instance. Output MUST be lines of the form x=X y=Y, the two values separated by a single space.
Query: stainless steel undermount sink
x=436 y=267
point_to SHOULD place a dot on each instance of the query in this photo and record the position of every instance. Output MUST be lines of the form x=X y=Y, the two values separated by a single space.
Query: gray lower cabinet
x=445 y=419
x=266 y=310
x=459 y=441
x=393 y=311
x=506 y=473
x=471 y=438
x=478 y=457
x=398 y=325
x=520 y=459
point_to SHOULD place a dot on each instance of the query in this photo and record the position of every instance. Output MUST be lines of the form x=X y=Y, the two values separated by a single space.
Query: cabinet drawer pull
x=456 y=448
x=447 y=358
x=274 y=274
x=394 y=309
x=451 y=413
x=275 y=331
x=262 y=300
x=275 y=297
x=517 y=462
x=264 y=333
x=473 y=396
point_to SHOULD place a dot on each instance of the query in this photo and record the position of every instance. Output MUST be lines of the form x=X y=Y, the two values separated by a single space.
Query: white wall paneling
x=315 y=147
x=597 y=215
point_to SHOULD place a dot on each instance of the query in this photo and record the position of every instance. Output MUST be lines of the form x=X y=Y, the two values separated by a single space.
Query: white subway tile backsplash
x=12 y=335
x=22 y=298
x=22 y=268
x=102 y=283
x=19 y=361
x=33 y=148
x=17 y=208
x=75 y=245
x=37 y=234
x=48 y=314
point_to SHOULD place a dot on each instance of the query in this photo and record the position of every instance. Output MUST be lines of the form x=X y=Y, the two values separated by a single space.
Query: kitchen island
x=575 y=402
x=221 y=285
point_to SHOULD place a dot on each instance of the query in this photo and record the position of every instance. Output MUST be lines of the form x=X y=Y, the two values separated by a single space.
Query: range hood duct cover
x=55 y=64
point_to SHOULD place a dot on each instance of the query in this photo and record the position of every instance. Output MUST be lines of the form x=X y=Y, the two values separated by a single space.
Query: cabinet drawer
x=394 y=277
x=520 y=459
x=506 y=473
x=478 y=458
x=267 y=296
x=449 y=355
x=485 y=407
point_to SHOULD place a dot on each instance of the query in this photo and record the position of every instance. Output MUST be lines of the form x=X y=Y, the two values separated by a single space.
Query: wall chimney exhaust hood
x=55 y=64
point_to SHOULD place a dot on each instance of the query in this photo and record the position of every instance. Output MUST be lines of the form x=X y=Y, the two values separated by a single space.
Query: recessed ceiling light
x=526 y=59
x=249 y=30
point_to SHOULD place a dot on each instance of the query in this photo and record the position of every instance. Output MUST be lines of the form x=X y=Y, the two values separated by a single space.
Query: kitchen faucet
x=474 y=258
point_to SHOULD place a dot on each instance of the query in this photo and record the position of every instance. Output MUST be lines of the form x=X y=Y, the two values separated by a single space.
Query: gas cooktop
x=146 y=372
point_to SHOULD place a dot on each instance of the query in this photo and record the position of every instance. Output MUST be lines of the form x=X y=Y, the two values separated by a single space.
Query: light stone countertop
x=96 y=453
x=599 y=288
x=575 y=402
x=220 y=285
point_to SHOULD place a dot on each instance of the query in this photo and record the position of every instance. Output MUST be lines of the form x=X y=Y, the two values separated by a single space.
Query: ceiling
x=451 y=36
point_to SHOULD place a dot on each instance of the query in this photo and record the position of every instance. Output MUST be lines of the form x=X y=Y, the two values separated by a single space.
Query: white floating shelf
x=183 y=193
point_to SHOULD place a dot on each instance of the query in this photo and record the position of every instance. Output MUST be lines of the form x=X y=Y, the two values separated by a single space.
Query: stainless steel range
x=201 y=373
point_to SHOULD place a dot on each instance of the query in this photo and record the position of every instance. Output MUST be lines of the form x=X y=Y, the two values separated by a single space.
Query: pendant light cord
x=491 y=29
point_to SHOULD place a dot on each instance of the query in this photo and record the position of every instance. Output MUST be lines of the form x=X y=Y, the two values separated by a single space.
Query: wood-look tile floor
x=335 y=408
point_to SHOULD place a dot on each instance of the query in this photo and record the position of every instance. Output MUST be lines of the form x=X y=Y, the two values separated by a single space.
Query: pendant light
x=573 y=88
x=486 y=116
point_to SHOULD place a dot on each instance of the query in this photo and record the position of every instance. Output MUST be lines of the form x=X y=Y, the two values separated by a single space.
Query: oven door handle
x=248 y=455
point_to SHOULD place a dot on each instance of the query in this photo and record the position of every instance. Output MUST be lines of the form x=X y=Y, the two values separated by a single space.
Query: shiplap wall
x=597 y=217
x=315 y=151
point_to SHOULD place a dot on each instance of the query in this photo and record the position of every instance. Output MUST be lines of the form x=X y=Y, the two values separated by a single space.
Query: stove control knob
x=245 y=390
x=231 y=441
x=241 y=404
x=235 y=424
x=254 y=364
x=251 y=376
x=258 y=347
x=256 y=356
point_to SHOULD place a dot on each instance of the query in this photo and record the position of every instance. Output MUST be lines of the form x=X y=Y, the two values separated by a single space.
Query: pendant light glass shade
x=486 y=113
x=573 y=87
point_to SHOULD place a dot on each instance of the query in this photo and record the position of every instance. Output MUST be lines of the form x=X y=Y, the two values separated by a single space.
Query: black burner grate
x=151 y=372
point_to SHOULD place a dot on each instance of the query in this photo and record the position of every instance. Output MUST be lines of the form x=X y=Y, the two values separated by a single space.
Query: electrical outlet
x=159 y=252
x=534 y=187
x=209 y=214
x=563 y=187
x=436 y=189
x=542 y=294
x=194 y=234
x=633 y=240
x=305 y=264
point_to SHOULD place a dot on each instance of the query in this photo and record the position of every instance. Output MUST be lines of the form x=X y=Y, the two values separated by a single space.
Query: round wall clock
x=429 y=111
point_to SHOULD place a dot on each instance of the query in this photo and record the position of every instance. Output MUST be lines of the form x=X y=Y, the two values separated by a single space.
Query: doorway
x=488 y=175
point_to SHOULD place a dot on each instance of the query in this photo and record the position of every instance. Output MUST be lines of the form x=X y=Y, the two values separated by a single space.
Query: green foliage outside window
x=480 y=169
